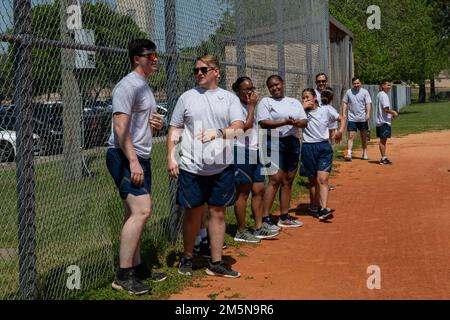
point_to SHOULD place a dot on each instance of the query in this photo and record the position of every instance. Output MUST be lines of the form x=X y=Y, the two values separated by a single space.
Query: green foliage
x=405 y=48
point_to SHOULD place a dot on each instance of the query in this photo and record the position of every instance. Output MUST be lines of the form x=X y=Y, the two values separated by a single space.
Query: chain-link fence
x=59 y=61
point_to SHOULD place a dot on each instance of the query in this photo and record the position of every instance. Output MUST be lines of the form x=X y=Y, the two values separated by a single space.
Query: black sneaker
x=221 y=270
x=185 y=266
x=325 y=214
x=202 y=250
x=131 y=284
x=144 y=273
x=386 y=161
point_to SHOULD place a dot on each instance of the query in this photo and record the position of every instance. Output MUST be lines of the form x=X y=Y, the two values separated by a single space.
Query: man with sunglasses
x=128 y=161
x=321 y=84
x=207 y=118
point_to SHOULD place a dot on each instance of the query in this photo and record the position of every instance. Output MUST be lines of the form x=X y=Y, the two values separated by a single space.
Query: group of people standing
x=222 y=147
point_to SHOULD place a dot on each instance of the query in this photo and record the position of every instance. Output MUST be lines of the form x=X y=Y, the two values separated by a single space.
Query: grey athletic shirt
x=199 y=109
x=357 y=101
x=133 y=96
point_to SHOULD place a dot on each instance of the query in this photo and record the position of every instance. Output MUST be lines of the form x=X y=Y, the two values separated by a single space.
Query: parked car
x=8 y=138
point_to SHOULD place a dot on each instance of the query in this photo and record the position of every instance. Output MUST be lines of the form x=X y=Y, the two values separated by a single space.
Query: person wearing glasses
x=358 y=103
x=284 y=116
x=321 y=84
x=128 y=161
x=248 y=168
x=209 y=118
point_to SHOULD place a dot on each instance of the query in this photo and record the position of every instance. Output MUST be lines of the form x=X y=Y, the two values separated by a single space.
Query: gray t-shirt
x=383 y=102
x=199 y=109
x=319 y=120
x=133 y=96
x=357 y=101
x=281 y=109
x=250 y=138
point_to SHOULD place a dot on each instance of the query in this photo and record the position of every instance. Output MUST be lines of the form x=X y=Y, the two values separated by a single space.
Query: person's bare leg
x=312 y=192
x=351 y=136
x=285 y=193
x=216 y=227
x=383 y=147
x=258 y=190
x=140 y=210
x=364 y=141
x=191 y=227
x=322 y=179
x=271 y=191
x=243 y=191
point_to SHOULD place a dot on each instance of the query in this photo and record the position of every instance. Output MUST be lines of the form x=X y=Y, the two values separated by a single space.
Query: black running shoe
x=325 y=214
x=185 y=266
x=221 y=270
x=131 y=284
x=143 y=273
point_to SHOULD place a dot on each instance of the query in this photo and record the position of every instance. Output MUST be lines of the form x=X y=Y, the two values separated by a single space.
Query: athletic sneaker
x=185 y=267
x=264 y=233
x=289 y=222
x=246 y=236
x=271 y=226
x=131 y=284
x=385 y=161
x=331 y=187
x=325 y=214
x=143 y=273
x=313 y=209
x=348 y=157
x=221 y=270
x=202 y=250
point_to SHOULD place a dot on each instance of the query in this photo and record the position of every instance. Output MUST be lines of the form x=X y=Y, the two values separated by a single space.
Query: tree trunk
x=422 y=93
x=433 y=90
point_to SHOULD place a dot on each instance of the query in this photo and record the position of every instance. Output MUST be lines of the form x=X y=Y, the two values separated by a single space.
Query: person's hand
x=395 y=114
x=172 y=167
x=252 y=99
x=156 y=121
x=367 y=117
x=337 y=136
x=207 y=135
x=137 y=174
x=308 y=104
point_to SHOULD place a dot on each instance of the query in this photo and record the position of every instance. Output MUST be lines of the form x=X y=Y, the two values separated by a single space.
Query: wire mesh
x=59 y=61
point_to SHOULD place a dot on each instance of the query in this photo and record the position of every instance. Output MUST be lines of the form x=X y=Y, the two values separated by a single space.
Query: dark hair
x=313 y=92
x=383 y=82
x=326 y=96
x=355 y=78
x=272 y=77
x=236 y=86
x=138 y=46
x=322 y=74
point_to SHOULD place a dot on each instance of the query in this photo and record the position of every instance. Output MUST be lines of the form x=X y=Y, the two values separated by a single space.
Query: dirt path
x=395 y=217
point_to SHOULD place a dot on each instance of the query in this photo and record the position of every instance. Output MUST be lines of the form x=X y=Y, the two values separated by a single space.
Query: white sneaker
x=365 y=157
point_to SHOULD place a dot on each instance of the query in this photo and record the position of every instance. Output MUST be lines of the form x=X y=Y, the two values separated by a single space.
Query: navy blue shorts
x=285 y=155
x=247 y=167
x=316 y=157
x=217 y=190
x=384 y=131
x=119 y=168
x=355 y=126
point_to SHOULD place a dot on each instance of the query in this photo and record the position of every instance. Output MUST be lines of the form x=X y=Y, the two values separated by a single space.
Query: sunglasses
x=203 y=70
x=321 y=81
x=150 y=55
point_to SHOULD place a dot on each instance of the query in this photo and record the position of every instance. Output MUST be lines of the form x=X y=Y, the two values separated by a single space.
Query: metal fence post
x=309 y=70
x=326 y=38
x=25 y=165
x=280 y=39
x=72 y=105
x=240 y=37
x=172 y=95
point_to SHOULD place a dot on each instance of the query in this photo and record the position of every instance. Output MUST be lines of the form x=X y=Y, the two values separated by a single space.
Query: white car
x=8 y=138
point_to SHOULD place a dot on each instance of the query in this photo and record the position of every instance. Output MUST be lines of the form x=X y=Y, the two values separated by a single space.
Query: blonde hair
x=210 y=60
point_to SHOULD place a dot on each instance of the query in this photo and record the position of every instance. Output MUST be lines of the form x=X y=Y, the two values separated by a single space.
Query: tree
x=112 y=29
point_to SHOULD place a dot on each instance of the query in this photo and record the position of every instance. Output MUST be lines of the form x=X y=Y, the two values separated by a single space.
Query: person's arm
x=342 y=119
x=173 y=137
x=389 y=111
x=272 y=124
x=368 y=109
x=344 y=108
x=251 y=108
x=230 y=132
x=121 y=123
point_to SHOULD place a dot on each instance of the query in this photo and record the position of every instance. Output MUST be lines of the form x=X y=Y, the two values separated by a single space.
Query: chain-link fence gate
x=59 y=60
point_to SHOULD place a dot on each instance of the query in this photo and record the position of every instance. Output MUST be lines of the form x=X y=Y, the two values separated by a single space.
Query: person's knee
x=323 y=180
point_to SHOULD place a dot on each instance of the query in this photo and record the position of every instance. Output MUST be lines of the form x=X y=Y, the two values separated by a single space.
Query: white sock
x=349 y=152
x=364 y=151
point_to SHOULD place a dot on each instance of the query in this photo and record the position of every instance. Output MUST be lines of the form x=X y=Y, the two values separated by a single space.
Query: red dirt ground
x=395 y=217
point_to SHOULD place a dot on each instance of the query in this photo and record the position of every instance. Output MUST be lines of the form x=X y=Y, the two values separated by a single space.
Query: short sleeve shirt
x=319 y=120
x=357 y=101
x=383 y=102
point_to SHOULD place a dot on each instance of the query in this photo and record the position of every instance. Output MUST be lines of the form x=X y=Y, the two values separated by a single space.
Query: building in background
x=142 y=12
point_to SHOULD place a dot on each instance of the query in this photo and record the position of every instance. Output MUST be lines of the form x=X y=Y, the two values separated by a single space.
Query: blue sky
x=193 y=19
